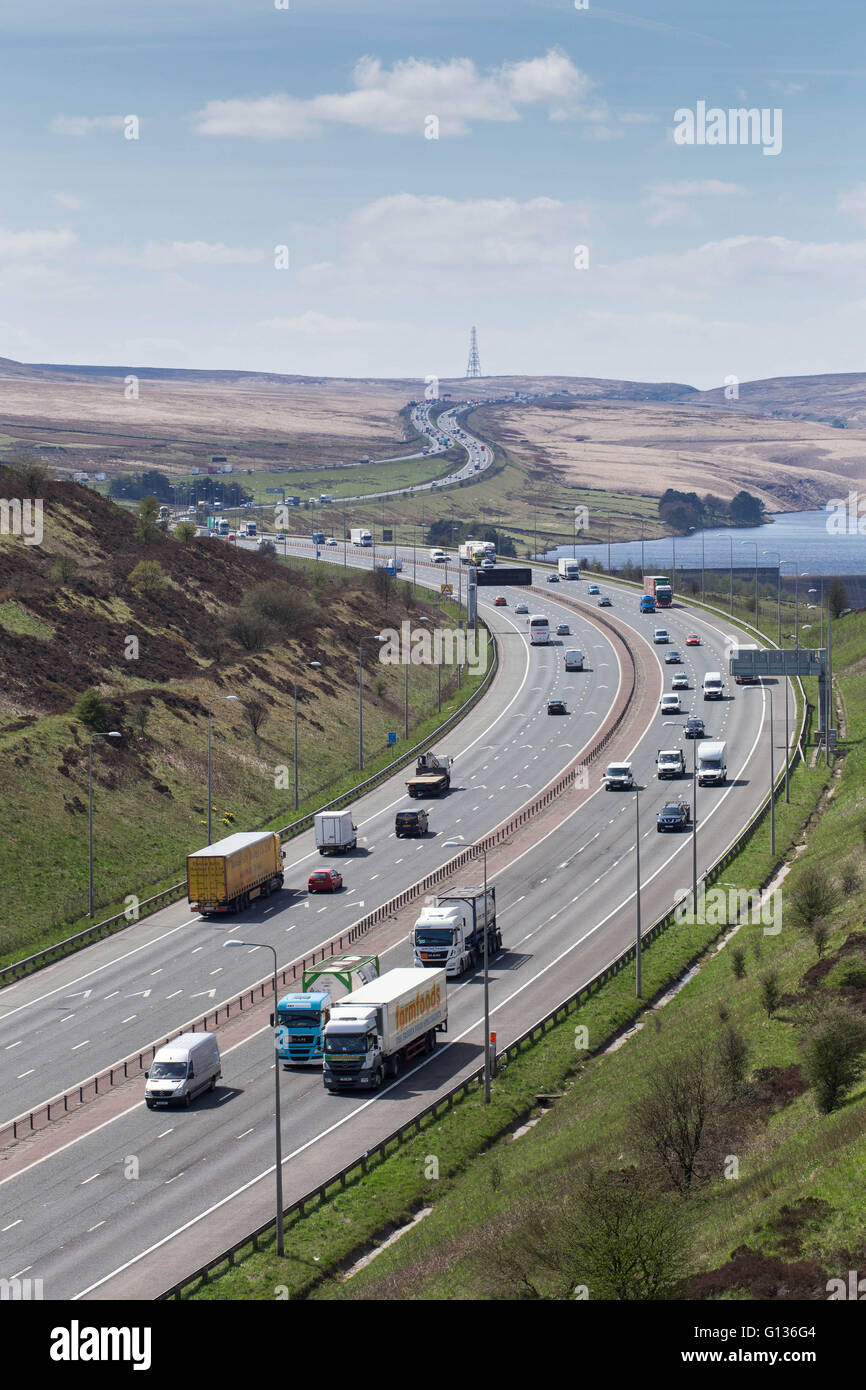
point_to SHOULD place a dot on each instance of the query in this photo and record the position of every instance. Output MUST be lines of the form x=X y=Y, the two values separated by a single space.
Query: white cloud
x=172 y=255
x=398 y=242
x=398 y=100
x=853 y=201
x=667 y=202
x=316 y=324
x=34 y=246
x=84 y=125
x=69 y=201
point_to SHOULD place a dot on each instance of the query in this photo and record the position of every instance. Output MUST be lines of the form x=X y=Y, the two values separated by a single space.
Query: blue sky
x=261 y=127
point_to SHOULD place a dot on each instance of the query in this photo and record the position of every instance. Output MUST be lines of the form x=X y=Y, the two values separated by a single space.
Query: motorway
x=565 y=895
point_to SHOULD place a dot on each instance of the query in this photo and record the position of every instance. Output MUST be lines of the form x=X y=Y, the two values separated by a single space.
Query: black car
x=695 y=727
x=410 y=823
x=553 y=579
x=674 y=815
x=672 y=658
x=556 y=707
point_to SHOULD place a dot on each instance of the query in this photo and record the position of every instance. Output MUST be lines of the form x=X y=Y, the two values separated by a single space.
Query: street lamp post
x=313 y=665
x=372 y=637
x=772 y=784
x=454 y=843
x=209 y=762
x=111 y=733
x=637 y=945
x=778 y=593
x=278 y=1139
x=755 y=544
x=731 y=578
x=695 y=826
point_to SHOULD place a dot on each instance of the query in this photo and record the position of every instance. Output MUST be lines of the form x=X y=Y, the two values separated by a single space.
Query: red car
x=324 y=881
x=693 y=640
x=500 y=601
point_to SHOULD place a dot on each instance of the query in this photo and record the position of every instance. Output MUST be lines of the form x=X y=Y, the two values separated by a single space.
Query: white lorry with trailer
x=568 y=569
x=450 y=931
x=670 y=762
x=468 y=550
x=712 y=767
x=381 y=1025
x=358 y=535
x=335 y=832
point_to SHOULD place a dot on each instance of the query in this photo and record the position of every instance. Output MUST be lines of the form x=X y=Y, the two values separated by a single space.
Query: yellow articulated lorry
x=226 y=876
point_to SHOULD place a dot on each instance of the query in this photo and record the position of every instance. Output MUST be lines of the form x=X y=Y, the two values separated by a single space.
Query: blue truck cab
x=647 y=604
x=301 y=1020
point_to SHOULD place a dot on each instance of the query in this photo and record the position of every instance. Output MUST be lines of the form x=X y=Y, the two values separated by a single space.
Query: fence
x=446 y=1102
x=76 y=1096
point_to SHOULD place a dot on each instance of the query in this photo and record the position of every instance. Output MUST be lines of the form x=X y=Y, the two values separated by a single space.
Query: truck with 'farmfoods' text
x=375 y=1029
x=450 y=931
x=226 y=876
x=658 y=587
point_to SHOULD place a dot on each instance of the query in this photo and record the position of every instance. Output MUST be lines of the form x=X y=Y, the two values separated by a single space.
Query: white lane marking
x=25 y=1073
x=81 y=1044
x=11 y=1224
x=15 y=1044
x=87 y=1180
x=129 y=1020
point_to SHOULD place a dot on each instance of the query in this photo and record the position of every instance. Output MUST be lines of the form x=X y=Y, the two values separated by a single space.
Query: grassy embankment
x=787 y=1151
x=65 y=634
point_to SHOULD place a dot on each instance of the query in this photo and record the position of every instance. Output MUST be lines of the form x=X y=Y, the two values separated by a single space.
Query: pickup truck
x=674 y=815
x=670 y=763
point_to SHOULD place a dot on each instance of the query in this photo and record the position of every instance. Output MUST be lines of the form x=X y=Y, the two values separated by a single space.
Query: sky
x=338 y=188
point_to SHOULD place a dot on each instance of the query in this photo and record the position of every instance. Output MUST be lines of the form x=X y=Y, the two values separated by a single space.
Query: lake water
x=800 y=538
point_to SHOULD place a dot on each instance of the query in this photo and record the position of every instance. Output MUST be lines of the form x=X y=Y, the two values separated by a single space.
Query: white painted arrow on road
x=209 y=992
x=139 y=994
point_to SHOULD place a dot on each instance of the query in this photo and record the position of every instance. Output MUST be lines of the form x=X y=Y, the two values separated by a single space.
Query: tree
x=256 y=712
x=32 y=472
x=672 y=1116
x=733 y=1061
x=837 y=597
x=833 y=1055
x=64 y=569
x=746 y=510
x=613 y=1232
x=250 y=630
x=148 y=577
x=185 y=531
x=146 y=529
x=813 y=897
x=770 y=992
x=91 y=710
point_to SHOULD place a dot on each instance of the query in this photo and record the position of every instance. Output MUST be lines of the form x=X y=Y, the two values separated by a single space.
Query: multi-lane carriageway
x=69 y=1212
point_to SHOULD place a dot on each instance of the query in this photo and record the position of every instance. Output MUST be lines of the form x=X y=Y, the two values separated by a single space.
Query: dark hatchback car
x=695 y=727
x=556 y=707
x=410 y=823
x=674 y=815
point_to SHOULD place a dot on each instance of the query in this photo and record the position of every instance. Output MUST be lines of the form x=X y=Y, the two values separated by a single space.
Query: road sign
x=446 y=590
x=387 y=535
x=392 y=737
x=273 y=489
x=789 y=661
x=501 y=576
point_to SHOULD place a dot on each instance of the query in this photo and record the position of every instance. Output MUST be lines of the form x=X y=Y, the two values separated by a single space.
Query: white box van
x=182 y=1070
x=713 y=686
x=335 y=831
x=661 y=635
x=618 y=777
x=712 y=766
x=574 y=660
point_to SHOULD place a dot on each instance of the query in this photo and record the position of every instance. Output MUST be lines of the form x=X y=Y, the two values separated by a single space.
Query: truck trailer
x=568 y=569
x=712 y=767
x=375 y=1029
x=432 y=775
x=226 y=876
x=450 y=932
x=358 y=535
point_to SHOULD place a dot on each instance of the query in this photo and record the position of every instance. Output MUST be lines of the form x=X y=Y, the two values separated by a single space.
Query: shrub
x=146 y=529
x=92 y=711
x=251 y=631
x=738 y=962
x=733 y=1060
x=148 y=577
x=832 y=1052
x=813 y=896
x=185 y=531
x=64 y=569
x=770 y=992
x=850 y=877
